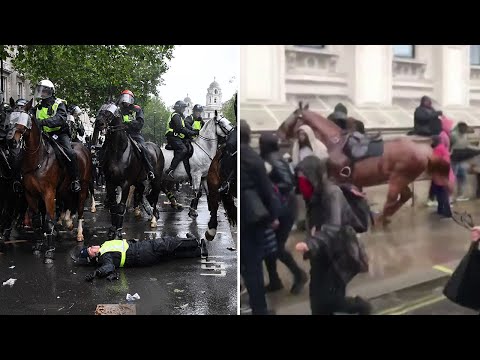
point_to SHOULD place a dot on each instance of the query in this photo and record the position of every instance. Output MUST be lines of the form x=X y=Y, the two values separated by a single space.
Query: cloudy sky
x=193 y=68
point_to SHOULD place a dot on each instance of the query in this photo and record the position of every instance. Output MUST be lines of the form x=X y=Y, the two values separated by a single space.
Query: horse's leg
x=197 y=189
x=82 y=198
x=213 y=199
x=111 y=203
x=49 y=199
x=121 y=209
x=397 y=186
x=68 y=220
x=137 y=199
x=152 y=199
x=167 y=188
x=91 y=189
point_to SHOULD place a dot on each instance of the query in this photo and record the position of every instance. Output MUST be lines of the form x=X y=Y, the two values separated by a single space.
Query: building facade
x=14 y=85
x=380 y=84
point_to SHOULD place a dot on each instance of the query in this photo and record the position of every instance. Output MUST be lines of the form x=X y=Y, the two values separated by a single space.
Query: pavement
x=179 y=286
x=417 y=248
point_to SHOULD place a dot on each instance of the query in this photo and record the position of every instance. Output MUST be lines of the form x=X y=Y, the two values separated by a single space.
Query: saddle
x=354 y=147
x=189 y=148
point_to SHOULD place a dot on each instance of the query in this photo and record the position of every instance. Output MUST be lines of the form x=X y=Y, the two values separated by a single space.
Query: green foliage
x=228 y=109
x=156 y=119
x=88 y=74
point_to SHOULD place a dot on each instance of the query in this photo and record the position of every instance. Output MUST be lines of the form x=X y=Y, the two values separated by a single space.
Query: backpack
x=360 y=209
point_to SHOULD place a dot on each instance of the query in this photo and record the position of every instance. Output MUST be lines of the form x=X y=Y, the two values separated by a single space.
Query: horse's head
x=106 y=116
x=224 y=126
x=324 y=129
x=19 y=123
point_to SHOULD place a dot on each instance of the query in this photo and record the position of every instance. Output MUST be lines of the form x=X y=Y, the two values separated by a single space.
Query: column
x=262 y=74
x=452 y=75
x=370 y=75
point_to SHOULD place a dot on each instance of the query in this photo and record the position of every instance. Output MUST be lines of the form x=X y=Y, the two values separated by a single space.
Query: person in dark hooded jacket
x=326 y=205
x=282 y=177
x=339 y=116
x=114 y=254
x=253 y=177
x=426 y=120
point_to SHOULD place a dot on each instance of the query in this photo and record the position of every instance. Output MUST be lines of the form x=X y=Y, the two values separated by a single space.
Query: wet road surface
x=179 y=286
x=417 y=248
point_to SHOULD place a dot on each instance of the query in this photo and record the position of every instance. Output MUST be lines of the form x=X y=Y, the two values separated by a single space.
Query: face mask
x=305 y=187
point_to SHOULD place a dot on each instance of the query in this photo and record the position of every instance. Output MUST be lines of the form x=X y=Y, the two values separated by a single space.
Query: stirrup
x=348 y=170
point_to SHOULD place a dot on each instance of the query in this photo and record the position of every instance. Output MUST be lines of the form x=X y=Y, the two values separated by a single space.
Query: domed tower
x=188 y=110
x=214 y=100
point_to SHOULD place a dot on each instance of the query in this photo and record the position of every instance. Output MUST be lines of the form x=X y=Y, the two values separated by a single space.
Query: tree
x=87 y=75
x=157 y=116
x=228 y=109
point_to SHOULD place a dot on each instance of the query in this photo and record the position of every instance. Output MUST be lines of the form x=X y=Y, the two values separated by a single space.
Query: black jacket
x=189 y=121
x=140 y=253
x=426 y=121
x=59 y=119
x=135 y=126
x=254 y=176
x=280 y=175
x=176 y=124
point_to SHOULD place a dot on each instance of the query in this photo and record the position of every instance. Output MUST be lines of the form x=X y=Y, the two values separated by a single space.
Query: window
x=404 y=51
x=215 y=100
x=4 y=86
x=474 y=54
x=20 y=90
x=313 y=46
x=209 y=115
x=216 y=92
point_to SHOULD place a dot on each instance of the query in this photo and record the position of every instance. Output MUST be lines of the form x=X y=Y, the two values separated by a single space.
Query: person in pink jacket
x=442 y=190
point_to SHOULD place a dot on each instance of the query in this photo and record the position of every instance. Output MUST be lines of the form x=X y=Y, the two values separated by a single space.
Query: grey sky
x=193 y=68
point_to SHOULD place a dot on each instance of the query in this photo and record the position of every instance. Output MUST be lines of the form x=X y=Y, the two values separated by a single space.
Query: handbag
x=256 y=210
x=463 y=287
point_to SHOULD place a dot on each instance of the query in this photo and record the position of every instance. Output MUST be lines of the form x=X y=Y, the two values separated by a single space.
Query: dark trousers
x=64 y=141
x=286 y=219
x=431 y=195
x=441 y=193
x=251 y=268
x=179 y=150
x=146 y=156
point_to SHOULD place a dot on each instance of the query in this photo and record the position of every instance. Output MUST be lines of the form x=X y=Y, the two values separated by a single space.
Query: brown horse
x=214 y=198
x=402 y=162
x=45 y=180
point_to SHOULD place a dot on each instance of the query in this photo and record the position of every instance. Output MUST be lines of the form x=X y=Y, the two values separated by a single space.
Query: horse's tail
x=230 y=208
x=438 y=166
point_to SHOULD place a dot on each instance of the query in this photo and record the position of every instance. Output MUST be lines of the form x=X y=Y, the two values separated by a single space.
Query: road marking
x=443 y=269
x=420 y=305
x=222 y=274
x=15 y=241
x=408 y=304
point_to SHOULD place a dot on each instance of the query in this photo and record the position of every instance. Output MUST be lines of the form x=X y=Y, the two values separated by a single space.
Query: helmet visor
x=126 y=98
x=76 y=111
x=43 y=92
x=20 y=117
x=111 y=108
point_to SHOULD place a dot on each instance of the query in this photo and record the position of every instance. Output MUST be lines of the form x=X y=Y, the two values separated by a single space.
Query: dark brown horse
x=214 y=198
x=402 y=162
x=45 y=181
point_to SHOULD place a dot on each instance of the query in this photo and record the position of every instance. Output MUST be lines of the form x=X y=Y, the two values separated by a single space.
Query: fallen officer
x=115 y=254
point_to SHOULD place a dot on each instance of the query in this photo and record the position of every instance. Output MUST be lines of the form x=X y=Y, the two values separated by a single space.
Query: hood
x=314 y=169
x=244 y=132
x=447 y=124
x=340 y=108
x=268 y=143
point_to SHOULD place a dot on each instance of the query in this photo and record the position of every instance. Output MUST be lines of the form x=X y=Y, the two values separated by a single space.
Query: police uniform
x=115 y=254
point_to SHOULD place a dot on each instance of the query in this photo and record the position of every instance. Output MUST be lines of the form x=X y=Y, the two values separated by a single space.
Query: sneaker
x=299 y=284
x=274 y=286
x=432 y=203
x=462 y=198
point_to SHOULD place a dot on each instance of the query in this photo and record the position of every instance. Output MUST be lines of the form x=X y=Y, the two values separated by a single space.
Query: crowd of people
x=277 y=189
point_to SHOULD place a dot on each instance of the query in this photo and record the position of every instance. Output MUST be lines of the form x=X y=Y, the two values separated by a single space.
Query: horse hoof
x=48 y=261
x=193 y=214
x=138 y=213
x=93 y=210
x=210 y=234
x=70 y=227
x=153 y=224
x=80 y=238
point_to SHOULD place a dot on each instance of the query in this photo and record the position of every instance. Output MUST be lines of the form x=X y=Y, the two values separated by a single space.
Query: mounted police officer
x=133 y=116
x=228 y=161
x=51 y=112
x=176 y=133
x=195 y=121
x=76 y=126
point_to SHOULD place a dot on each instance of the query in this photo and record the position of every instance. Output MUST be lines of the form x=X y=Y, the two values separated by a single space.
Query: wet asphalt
x=179 y=286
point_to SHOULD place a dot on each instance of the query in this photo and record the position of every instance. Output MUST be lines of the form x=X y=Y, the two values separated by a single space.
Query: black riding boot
x=186 y=163
x=148 y=165
x=75 y=186
x=177 y=157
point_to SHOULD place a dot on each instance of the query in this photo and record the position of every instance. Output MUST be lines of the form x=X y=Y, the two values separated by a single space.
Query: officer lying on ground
x=115 y=254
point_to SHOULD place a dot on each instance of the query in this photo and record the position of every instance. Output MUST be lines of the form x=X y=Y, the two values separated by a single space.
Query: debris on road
x=9 y=282
x=169 y=283
x=153 y=279
x=231 y=248
x=178 y=291
x=133 y=298
x=12 y=267
x=115 y=309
